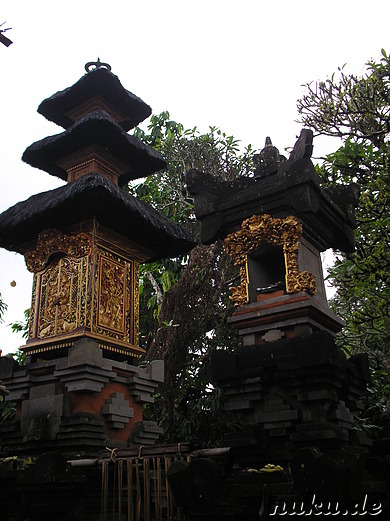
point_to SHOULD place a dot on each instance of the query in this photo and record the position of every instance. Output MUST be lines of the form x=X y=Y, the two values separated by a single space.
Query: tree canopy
x=184 y=302
x=356 y=109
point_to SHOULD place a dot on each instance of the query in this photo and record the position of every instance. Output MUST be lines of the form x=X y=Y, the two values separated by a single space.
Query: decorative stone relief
x=273 y=335
x=117 y=411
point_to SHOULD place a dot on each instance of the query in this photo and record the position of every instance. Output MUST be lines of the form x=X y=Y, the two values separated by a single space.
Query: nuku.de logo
x=316 y=508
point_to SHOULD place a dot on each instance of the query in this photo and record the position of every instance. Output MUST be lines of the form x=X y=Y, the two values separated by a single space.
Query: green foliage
x=22 y=326
x=375 y=416
x=3 y=308
x=362 y=278
x=197 y=413
x=184 y=302
x=19 y=356
x=350 y=106
x=156 y=279
x=192 y=326
x=357 y=110
x=213 y=152
x=7 y=410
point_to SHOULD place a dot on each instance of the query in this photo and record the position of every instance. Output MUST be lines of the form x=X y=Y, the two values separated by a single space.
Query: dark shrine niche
x=54 y=258
x=266 y=270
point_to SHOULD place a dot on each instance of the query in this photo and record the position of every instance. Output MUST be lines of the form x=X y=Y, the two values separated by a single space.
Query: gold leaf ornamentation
x=112 y=295
x=53 y=241
x=33 y=308
x=113 y=309
x=58 y=307
x=136 y=303
x=264 y=229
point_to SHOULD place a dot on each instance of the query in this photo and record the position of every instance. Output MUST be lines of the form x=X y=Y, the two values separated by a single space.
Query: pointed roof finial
x=268 y=160
x=92 y=66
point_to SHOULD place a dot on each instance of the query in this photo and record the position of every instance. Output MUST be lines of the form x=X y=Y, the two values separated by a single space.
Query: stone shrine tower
x=275 y=225
x=293 y=389
x=80 y=385
x=290 y=384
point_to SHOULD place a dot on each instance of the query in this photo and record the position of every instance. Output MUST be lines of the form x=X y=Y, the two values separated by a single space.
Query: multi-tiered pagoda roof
x=97 y=157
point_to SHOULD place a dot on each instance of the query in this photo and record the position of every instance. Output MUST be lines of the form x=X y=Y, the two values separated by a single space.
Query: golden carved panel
x=80 y=288
x=136 y=304
x=260 y=229
x=59 y=298
x=33 y=309
x=112 y=295
x=113 y=308
x=53 y=241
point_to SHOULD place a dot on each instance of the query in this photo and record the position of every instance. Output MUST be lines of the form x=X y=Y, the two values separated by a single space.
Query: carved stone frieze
x=264 y=229
x=117 y=411
x=53 y=241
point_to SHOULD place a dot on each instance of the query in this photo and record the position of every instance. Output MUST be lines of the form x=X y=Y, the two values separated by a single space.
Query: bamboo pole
x=154 y=464
x=146 y=465
x=104 y=493
x=159 y=484
x=138 y=490
x=114 y=492
x=120 y=486
x=130 y=511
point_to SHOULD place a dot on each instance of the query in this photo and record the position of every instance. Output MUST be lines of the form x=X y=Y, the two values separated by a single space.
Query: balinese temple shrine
x=297 y=395
x=84 y=241
x=294 y=446
x=275 y=226
x=81 y=388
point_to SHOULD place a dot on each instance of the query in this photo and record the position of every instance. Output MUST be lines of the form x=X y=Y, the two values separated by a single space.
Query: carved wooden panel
x=113 y=308
x=53 y=241
x=83 y=285
x=59 y=298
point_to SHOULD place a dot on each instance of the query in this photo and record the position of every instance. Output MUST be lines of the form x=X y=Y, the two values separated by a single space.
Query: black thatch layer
x=93 y=196
x=100 y=82
x=96 y=128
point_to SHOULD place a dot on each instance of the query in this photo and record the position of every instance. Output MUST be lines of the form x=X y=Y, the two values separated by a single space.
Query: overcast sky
x=236 y=65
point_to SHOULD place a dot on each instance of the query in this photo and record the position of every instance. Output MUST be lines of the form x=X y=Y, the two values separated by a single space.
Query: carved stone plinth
x=291 y=393
x=278 y=315
x=80 y=401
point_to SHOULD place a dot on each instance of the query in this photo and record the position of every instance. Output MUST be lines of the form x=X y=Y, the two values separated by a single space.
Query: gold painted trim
x=51 y=344
x=135 y=279
x=264 y=229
